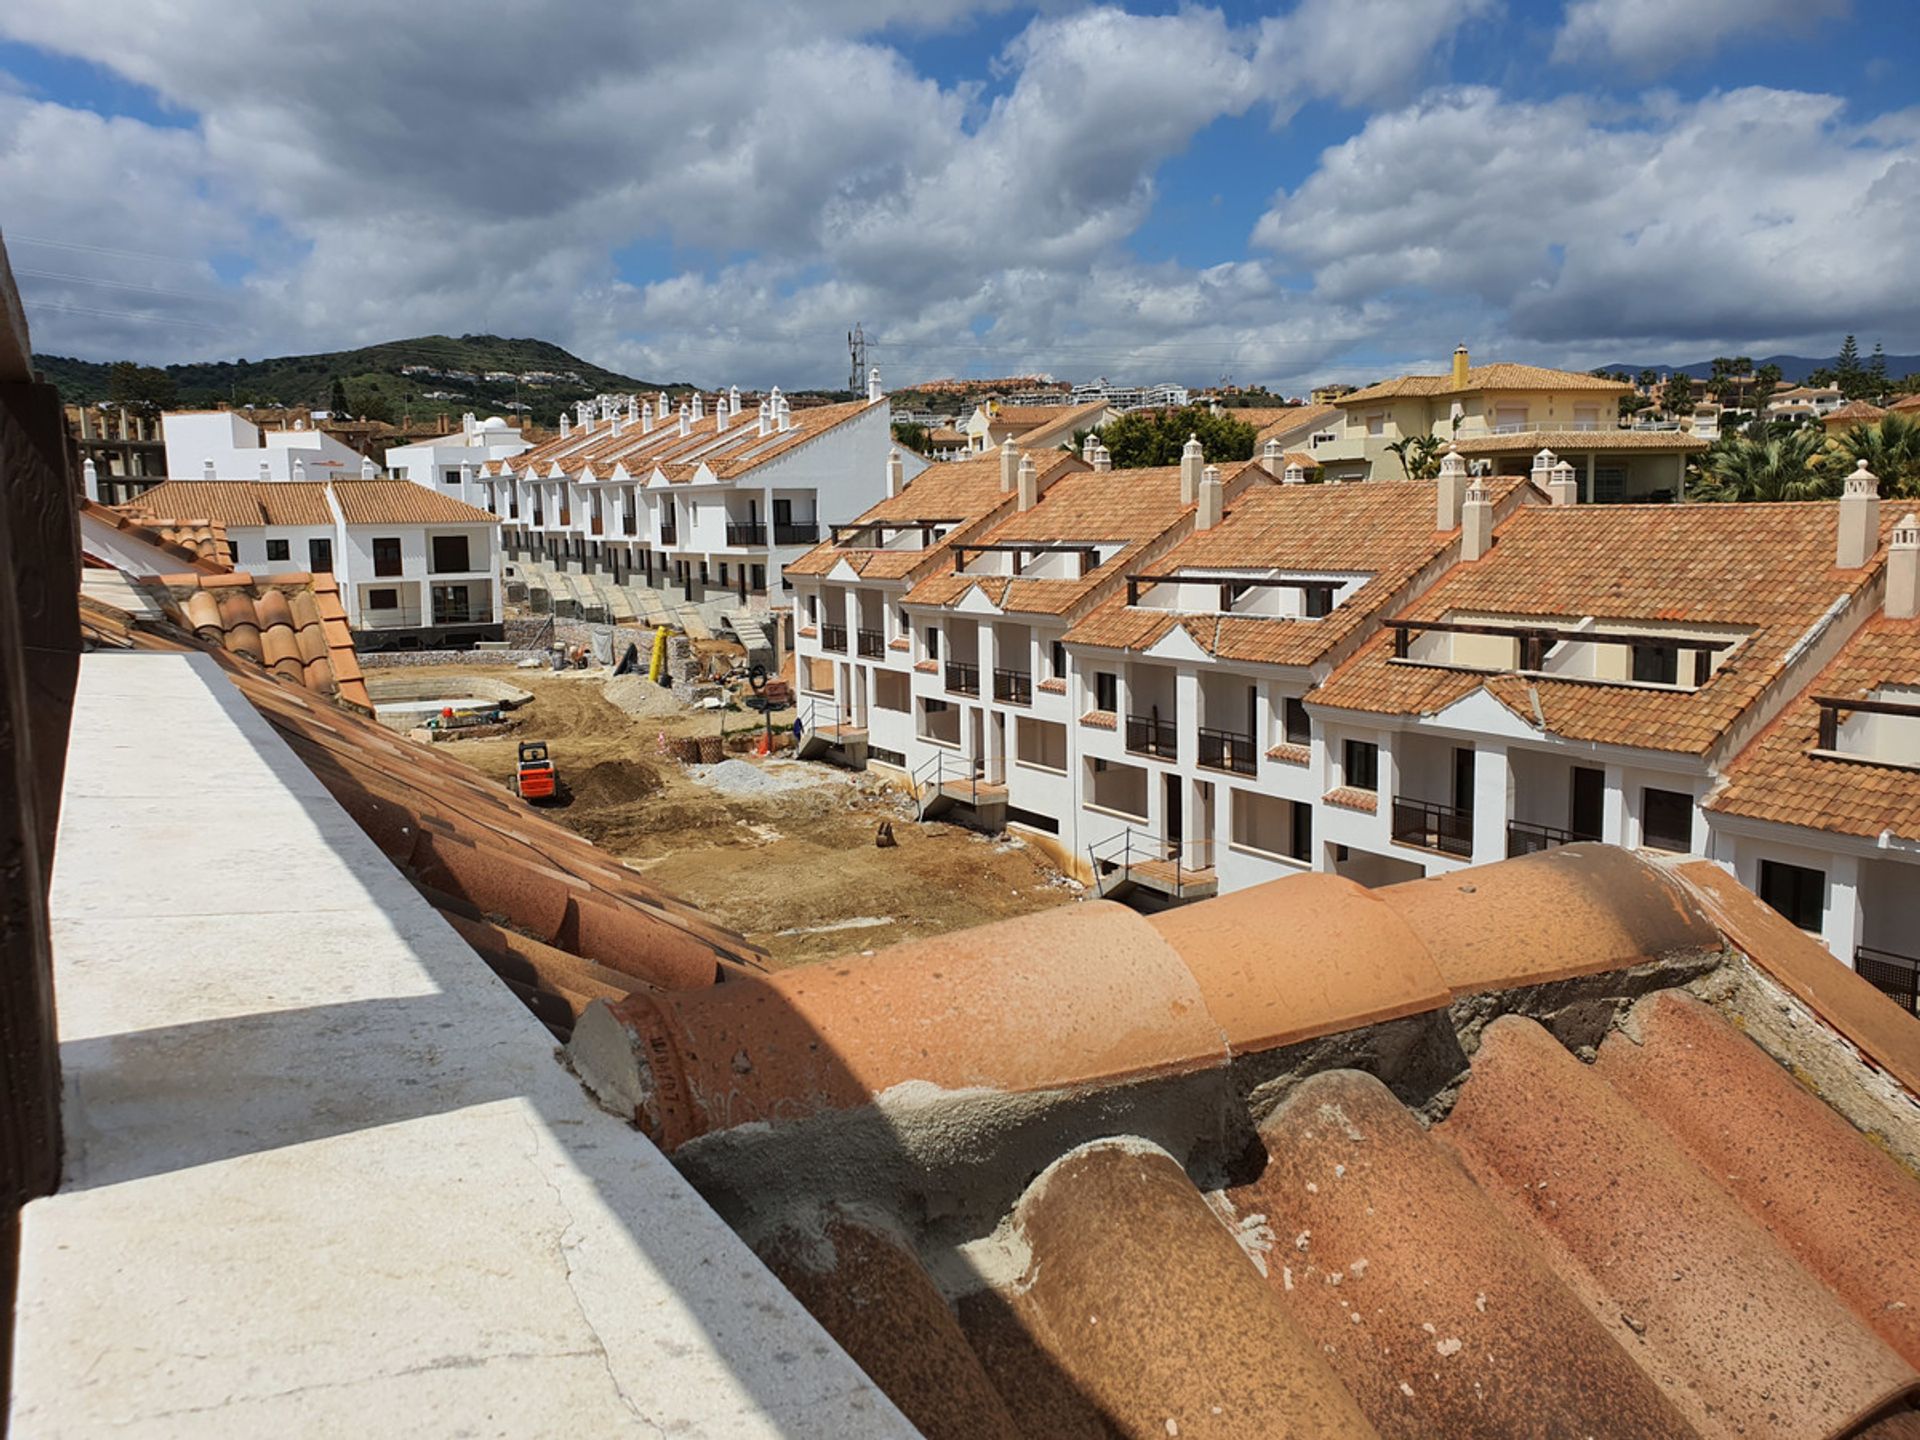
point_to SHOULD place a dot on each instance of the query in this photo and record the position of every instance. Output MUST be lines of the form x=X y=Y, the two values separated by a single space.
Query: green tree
x=1848 y=374
x=369 y=403
x=1765 y=381
x=1891 y=448
x=1633 y=405
x=915 y=437
x=1676 y=396
x=337 y=397
x=1419 y=455
x=1155 y=437
x=1649 y=379
x=1877 y=371
x=1823 y=377
x=143 y=390
x=1780 y=467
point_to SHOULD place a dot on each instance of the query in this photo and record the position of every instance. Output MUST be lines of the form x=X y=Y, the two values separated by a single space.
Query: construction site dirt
x=780 y=850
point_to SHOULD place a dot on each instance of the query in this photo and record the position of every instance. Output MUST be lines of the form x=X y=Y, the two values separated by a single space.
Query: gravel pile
x=743 y=777
x=638 y=695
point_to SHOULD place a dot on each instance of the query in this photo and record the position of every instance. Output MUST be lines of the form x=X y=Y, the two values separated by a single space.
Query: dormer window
x=1880 y=729
x=1584 y=649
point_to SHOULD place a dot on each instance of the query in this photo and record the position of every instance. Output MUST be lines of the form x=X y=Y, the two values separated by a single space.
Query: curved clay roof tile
x=1843 y=1208
x=1742 y=1339
x=240 y=623
x=281 y=651
x=1156 y=1314
x=273 y=608
x=318 y=675
x=203 y=614
x=1371 y=1217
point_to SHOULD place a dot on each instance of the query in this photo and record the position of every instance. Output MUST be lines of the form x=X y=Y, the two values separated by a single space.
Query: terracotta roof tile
x=1778 y=778
x=237 y=504
x=1531 y=442
x=1291 y=754
x=1767 y=568
x=401 y=502
x=1499 y=376
x=1101 y=719
x=1348 y=798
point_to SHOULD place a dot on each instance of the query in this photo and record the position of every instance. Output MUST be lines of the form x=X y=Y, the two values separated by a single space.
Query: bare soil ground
x=793 y=869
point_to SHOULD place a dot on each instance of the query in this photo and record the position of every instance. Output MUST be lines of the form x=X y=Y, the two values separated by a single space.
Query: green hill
x=375 y=379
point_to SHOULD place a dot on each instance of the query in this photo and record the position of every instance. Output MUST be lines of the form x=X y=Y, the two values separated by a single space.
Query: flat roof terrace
x=324 y=1174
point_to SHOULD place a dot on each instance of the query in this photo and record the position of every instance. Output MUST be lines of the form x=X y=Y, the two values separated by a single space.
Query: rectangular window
x=759 y=577
x=277 y=550
x=723 y=575
x=1299 y=727
x=1272 y=826
x=1656 y=664
x=1318 y=601
x=320 y=555
x=1795 y=891
x=933 y=642
x=1666 y=820
x=1106 y=690
x=450 y=555
x=813 y=609
x=1301 y=841
x=383 y=599
x=1360 y=764
x=386 y=556
x=1376 y=424
x=1057 y=657
x=233 y=549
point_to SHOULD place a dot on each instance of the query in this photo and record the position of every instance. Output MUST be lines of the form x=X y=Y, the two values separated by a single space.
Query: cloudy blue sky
x=1318 y=190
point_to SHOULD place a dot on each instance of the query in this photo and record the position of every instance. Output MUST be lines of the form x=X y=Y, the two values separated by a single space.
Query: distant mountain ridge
x=377 y=370
x=1794 y=369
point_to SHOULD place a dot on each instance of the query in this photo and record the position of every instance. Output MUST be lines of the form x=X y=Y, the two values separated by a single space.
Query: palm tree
x=1891 y=448
x=1780 y=467
x=1419 y=455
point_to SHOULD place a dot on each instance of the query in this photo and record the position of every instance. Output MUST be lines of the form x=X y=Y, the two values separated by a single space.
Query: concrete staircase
x=750 y=630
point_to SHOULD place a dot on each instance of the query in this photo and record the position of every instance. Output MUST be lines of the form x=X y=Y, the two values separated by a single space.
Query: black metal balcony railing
x=870 y=643
x=746 y=532
x=1526 y=838
x=630 y=524
x=1013 y=686
x=833 y=637
x=1893 y=975
x=1150 y=735
x=1227 y=750
x=797 y=532
x=963 y=678
x=1427 y=826
x=669 y=535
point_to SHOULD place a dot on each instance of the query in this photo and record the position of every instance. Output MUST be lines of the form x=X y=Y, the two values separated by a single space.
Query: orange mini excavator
x=536 y=779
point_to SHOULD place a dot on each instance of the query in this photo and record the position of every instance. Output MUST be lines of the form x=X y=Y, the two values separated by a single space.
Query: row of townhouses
x=1198 y=678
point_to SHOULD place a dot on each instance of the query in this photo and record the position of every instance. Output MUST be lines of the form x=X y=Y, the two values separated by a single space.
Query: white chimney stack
x=1193 y=461
x=764 y=418
x=646 y=418
x=1453 y=489
x=206 y=468
x=1027 y=479
x=686 y=420
x=1563 y=488
x=663 y=406
x=566 y=425
x=633 y=408
x=733 y=400
x=896 y=473
x=1213 y=499
x=1270 y=458
x=1293 y=474
x=1009 y=465
x=1542 y=473
x=299 y=467
x=874 y=392
x=1088 y=446
x=721 y=410
x=90 y=476
x=1903 y=570
x=367 y=468
x=1859 y=518
x=1102 y=458
x=1476 y=523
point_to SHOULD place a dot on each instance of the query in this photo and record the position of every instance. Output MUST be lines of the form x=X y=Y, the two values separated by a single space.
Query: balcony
x=963 y=678
x=1526 y=838
x=566 y=518
x=1227 y=750
x=669 y=535
x=1150 y=735
x=1426 y=826
x=630 y=524
x=801 y=532
x=870 y=643
x=1893 y=975
x=746 y=532
x=1013 y=686
x=596 y=526
x=834 y=637
x=539 y=518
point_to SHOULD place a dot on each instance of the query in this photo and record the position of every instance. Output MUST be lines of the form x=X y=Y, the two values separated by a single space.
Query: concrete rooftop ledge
x=324 y=1175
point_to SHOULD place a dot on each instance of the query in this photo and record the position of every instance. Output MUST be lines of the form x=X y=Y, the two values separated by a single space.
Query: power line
x=15 y=238
x=112 y=284
x=63 y=308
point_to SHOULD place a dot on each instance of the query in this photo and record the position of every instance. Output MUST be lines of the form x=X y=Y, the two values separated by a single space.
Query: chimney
x=646 y=418
x=1564 y=488
x=733 y=400
x=896 y=473
x=720 y=413
x=1859 y=518
x=1903 y=570
x=699 y=406
x=466 y=477
x=299 y=468
x=467 y=423
x=686 y=420
x=206 y=469
x=1542 y=473
x=1294 y=474
x=663 y=406
x=1460 y=366
x=1102 y=458
x=1193 y=460
x=1476 y=523
x=874 y=392
x=1453 y=489
x=1270 y=458
x=1009 y=465
x=368 y=471
x=1213 y=499
x=1028 y=481
x=1087 y=447
x=763 y=417
x=566 y=425
x=90 y=473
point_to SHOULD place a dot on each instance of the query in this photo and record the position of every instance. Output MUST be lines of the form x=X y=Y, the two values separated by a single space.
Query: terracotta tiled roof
x=1115 y=1175
x=964 y=491
x=1291 y=754
x=1285 y=421
x=1486 y=377
x=401 y=502
x=1386 y=530
x=1767 y=568
x=1348 y=798
x=292 y=625
x=1101 y=719
x=201 y=543
x=1778 y=778
x=1906 y=404
x=728 y=453
x=1035 y=426
x=1854 y=412
x=238 y=504
x=1579 y=441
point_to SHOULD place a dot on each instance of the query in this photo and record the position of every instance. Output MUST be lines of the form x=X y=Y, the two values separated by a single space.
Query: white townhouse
x=213 y=444
x=416 y=570
x=699 y=503
x=451 y=464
